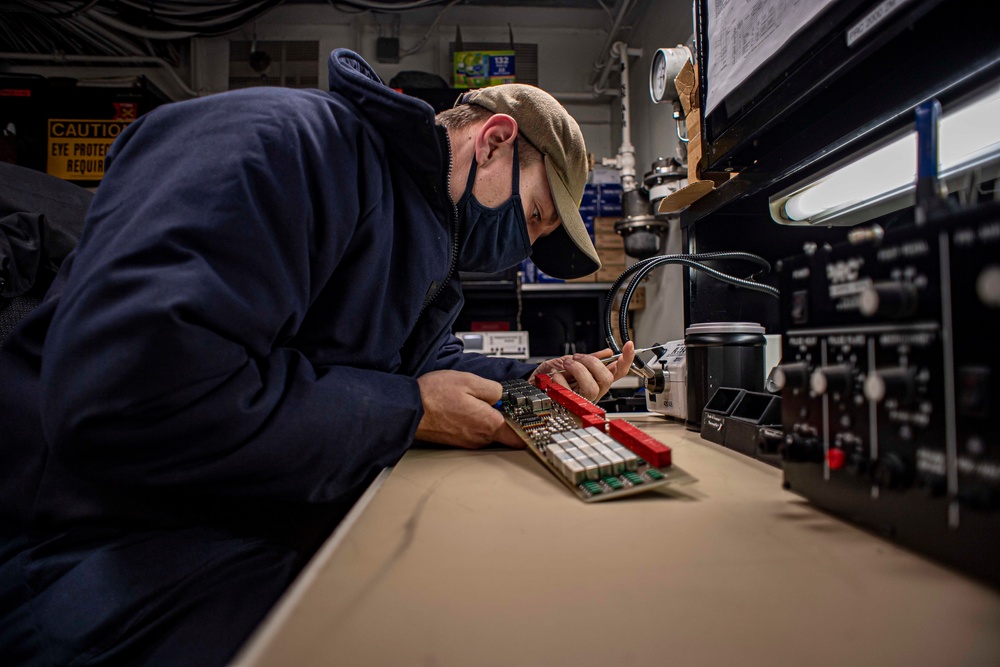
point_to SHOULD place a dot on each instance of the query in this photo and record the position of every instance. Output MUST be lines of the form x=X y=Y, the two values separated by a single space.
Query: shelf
x=565 y=287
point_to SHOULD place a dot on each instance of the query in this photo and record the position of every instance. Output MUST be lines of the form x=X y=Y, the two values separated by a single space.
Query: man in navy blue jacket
x=256 y=320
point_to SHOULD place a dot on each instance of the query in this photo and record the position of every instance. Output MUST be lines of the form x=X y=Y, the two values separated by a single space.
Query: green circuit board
x=597 y=459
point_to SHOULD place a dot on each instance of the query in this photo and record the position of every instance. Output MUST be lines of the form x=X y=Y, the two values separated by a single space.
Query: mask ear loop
x=470 y=181
x=515 y=197
x=515 y=174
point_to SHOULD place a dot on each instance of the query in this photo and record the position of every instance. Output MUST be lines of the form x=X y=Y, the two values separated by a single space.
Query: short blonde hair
x=464 y=115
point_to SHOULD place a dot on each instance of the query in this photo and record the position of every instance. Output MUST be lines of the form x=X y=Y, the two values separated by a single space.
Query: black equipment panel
x=889 y=399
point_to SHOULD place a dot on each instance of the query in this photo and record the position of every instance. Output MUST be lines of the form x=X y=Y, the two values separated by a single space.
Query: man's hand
x=458 y=411
x=593 y=379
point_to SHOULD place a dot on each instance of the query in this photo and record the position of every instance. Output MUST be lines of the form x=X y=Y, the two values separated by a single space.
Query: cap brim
x=568 y=251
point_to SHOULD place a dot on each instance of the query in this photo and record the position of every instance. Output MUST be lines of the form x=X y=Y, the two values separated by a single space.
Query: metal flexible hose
x=639 y=270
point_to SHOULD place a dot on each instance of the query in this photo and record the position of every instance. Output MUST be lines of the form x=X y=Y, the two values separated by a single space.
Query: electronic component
x=667 y=392
x=888 y=405
x=748 y=422
x=597 y=459
x=509 y=344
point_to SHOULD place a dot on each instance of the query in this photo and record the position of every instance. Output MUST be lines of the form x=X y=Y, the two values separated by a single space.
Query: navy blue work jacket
x=262 y=276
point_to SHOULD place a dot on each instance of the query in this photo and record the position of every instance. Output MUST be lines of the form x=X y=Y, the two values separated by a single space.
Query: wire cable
x=635 y=274
x=430 y=30
x=638 y=266
x=121 y=27
x=390 y=6
x=623 y=316
x=69 y=13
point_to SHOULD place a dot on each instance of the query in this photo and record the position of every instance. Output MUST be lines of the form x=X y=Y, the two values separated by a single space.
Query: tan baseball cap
x=568 y=251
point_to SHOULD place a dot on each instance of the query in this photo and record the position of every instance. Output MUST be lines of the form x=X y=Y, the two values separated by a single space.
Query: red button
x=836 y=458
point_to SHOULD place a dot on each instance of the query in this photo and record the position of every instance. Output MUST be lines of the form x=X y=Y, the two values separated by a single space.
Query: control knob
x=658 y=383
x=791 y=376
x=801 y=449
x=988 y=286
x=835 y=378
x=892 y=299
x=891 y=471
x=899 y=383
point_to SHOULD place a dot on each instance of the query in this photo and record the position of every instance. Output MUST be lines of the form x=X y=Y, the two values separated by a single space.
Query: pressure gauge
x=667 y=64
x=658 y=77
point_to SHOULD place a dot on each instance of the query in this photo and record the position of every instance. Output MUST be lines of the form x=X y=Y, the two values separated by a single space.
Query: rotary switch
x=892 y=472
x=801 y=449
x=897 y=383
x=791 y=376
x=988 y=286
x=892 y=299
x=834 y=379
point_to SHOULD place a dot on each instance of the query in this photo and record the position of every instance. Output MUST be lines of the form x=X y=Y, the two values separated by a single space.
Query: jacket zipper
x=454 y=234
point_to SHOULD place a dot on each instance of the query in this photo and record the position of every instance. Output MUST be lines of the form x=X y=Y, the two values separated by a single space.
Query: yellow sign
x=77 y=147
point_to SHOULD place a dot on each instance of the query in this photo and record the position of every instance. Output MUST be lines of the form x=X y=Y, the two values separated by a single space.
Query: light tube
x=964 y=136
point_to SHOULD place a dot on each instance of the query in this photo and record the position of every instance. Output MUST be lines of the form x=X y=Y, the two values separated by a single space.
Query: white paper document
x=743 y=34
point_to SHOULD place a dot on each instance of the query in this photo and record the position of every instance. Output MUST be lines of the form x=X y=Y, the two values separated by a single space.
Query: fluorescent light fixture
x=884 y=180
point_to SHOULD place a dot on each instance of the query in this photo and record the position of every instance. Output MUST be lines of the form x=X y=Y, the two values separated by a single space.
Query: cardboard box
x=601 y=175
x=608 y=241
x=616 y=330
x=609 y=272
x=605 y=225
x=614 y=261
x=612 y=255
x=529 y=271
x=686 y=83
x=638 y=301
x=586 y=279
x=698 y=184
x=542 y=277
x=609 y=199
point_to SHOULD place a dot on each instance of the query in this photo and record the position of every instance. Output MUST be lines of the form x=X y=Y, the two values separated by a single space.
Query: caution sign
x=77 y=147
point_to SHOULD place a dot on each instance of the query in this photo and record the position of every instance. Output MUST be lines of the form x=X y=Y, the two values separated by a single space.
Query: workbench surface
x=472 y=558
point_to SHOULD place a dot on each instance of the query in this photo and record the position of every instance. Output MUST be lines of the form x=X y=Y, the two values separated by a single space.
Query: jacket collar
x=406 y=123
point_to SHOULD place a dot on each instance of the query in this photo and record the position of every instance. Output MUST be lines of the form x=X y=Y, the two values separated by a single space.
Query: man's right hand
x=458 y=411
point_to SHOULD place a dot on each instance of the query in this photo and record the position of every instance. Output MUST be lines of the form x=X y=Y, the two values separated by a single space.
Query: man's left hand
x=592 y=378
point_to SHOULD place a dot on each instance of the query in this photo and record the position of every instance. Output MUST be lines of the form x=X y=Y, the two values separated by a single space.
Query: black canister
x=721 y=354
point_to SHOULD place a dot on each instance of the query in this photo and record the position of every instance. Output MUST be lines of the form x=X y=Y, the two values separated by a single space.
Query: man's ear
x=498 y=132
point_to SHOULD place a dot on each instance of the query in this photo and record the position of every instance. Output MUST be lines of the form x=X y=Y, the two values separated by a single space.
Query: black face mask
x=494 y=239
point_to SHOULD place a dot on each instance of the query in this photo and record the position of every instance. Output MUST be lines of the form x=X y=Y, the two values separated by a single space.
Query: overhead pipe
x=135 y=60
x=643 y=233
x=625 y=160
x=600 y=82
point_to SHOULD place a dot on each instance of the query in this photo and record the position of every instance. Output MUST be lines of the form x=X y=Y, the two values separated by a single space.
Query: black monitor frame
x=819 y=88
